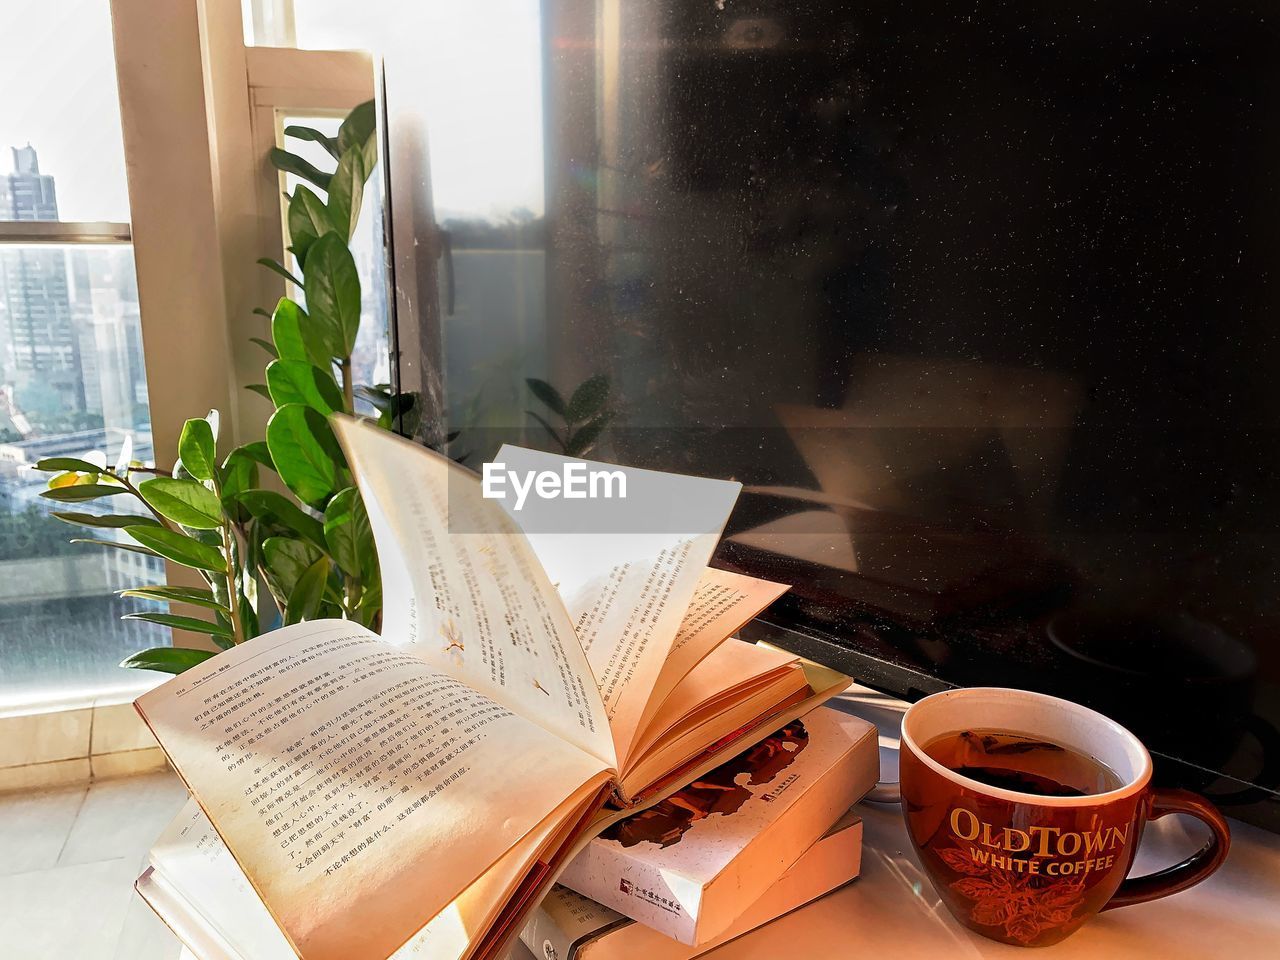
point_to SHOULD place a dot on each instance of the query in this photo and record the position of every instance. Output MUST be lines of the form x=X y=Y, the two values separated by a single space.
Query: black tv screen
x=978 y=300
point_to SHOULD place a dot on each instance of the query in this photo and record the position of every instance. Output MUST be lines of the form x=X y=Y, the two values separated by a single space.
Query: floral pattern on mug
x=1025 y=906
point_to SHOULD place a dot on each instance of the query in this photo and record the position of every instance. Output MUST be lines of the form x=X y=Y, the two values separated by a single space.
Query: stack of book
x=746 y=843
x=755 y=839
x=556 y=688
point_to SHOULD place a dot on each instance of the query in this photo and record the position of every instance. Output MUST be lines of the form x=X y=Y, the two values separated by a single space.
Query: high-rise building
x=39 y=348
x=26 y=193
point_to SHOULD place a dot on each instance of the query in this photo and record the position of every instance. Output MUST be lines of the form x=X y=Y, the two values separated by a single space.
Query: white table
x=891 y=911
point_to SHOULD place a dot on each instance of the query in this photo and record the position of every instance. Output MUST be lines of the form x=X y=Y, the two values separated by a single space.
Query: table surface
x=893 y=911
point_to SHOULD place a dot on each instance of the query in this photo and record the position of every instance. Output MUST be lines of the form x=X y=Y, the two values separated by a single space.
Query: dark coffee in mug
x=1027 y=810
x=1027 y=764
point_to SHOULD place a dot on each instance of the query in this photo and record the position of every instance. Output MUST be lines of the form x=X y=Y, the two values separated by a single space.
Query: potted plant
x=309 y=549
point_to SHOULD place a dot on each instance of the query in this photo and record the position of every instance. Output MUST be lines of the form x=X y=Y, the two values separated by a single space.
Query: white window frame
x=288 y=82
x=64 y=231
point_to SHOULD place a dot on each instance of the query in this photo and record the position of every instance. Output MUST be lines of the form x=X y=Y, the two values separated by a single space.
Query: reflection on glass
x=482 y=122
x=974 y=304
x=72 y=384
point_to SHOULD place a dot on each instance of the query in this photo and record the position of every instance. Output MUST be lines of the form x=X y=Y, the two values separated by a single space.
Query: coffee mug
x=1027 y=868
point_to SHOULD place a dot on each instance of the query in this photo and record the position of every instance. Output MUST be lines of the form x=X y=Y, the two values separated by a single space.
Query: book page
x=360 y=789
x=211 y=895
x=626 y=568
x=733 y=671
x=462 y=584
x=722 y=603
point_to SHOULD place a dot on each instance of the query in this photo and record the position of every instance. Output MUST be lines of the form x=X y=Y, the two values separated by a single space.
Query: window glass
x=72 y=377
x=72 y=384
x=58 y=95
x=315 y=24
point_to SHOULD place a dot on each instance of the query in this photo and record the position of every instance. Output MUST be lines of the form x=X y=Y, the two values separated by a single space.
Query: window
x=72 y=373
x=311 y=24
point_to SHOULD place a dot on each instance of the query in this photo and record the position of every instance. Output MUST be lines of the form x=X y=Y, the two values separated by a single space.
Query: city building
x=39 y=347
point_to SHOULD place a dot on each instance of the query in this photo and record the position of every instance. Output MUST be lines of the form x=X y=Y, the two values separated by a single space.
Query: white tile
x=66 y=912
x=37 y=776
x=35 y=826
x=43 y=737
x=143 y=936
x=128 y=763
x=122 y=818
x=117 y=728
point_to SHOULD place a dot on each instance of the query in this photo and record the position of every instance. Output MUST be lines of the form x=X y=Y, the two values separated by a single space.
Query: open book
x=421 y=789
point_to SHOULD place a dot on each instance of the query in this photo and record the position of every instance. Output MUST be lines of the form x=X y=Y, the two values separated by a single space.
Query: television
x=977 y=300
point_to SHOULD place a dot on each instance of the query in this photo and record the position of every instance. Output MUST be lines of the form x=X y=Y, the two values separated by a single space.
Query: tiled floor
x=68 y=859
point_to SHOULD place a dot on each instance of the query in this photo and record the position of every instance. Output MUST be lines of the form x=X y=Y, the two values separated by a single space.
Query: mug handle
x=1190 y=871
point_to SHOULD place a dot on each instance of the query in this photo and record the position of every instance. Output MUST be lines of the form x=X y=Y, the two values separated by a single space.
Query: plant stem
x=229 y=545
x=348 y=388
x=142 y=500
x=233 y=585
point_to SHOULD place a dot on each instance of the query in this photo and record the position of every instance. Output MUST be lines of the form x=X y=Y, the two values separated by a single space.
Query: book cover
x=569 y=926
x=691 y=865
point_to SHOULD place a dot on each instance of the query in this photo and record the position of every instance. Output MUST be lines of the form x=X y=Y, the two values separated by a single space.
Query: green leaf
x=266 y=345
x=287 y=162
x=74 y=464
x=346 y=191
x=583 y=440
x=116 y=544
x=297 y=381
x=295 y=335
x=358 y=126
x=239 y=473
x=249 y=618
x=275 y=266
x=179 y=548
x=261 y=312
x=261 y=390
x=187 y=502
x=197 y=596
x=347 y=533
x=548 y=395
x=308 y=592
x=83 y=491
x=274 y=508
x=197 y=449
x=379 y=398
x=550 y=429
x=109 y=520
x=305 y=452
x=179 y=622
x=370 y=603
x=257 y=452
x=286 y=561
x=70 y=478
x=309 y=220
x=589 y=399
x=167 y=659
x=333 y=294
x=330 y=144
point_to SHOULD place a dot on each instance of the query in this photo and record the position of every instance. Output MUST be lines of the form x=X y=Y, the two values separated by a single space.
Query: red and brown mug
x=1029 y=868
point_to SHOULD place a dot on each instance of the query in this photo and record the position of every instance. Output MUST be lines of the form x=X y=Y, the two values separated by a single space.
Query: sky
x=479 y=85
x=58 y=93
